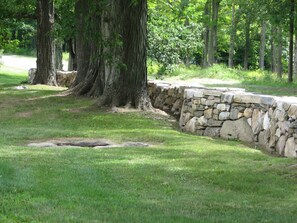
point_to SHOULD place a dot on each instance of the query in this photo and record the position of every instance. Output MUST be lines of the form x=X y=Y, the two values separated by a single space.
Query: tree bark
x=206 y=33
x=274 y=48
x=247 y=42
x=83 y=48
x=117 y=71
x=72 y=63
x=215 y=28
x=232 y=38
x=58 y=55
x=45 y=73
x=212 y=33
x=279 y=67
x=291 y=45
x=262 y=47
x=295 y=54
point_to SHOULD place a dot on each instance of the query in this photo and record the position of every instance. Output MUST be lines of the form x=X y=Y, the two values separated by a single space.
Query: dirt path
x=22 y=62
x=18 y=62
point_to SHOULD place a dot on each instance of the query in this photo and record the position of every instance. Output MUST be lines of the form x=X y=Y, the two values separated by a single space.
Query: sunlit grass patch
x=181 y=178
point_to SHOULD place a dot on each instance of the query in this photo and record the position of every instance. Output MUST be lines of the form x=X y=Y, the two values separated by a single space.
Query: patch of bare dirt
x=24 y=114
x=84 y=143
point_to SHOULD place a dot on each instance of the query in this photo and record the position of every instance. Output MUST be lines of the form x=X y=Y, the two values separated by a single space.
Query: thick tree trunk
x=206 y=33
x=291 y=45
x=116 y=72
x=45 y=73
x=129 y=85
x=83 y=37
x=247 y=43
x=262 y=47
x=232 y=38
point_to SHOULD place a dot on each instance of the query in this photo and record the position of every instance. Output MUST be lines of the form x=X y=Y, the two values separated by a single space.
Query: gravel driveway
x=22 y=62
x=18 y=62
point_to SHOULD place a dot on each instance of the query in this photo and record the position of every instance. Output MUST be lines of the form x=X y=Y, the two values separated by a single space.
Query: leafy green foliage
x=17 y=36
x=173 y=36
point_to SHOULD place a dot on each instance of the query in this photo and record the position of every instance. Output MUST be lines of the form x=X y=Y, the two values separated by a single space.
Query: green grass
x=181 y=178
x=262 y=82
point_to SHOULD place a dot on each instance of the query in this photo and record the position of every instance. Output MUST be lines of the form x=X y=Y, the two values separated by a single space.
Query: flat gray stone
x=202 y=121
x=214 y=123
x=42 y=144
x=257 y=121
x=293 y=111
x=263 y=139
x=212 y=132
x=227 y=97
x=247 y=98
x=266 y=121
x=239 y=129
x=280 y=145
x=280 y=115
x=290 y=149
x=208 y=113
x=215 y=93
x=248 y=112
x=224 y=116
x=223 y=107
x=191 y=125
x=136 y=144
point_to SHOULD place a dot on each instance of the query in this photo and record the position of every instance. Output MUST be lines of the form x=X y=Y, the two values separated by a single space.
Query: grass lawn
x=262 y=82
x=181 y=178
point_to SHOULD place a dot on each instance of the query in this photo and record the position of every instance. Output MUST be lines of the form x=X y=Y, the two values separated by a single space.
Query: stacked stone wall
x=265 y=121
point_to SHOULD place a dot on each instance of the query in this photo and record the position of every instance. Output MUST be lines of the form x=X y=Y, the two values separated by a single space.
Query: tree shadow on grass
x=11 y=80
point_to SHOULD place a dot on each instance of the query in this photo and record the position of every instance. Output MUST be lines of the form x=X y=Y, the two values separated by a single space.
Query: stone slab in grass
x=85 y=143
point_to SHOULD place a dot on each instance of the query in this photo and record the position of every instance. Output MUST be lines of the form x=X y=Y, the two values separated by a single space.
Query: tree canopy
x=254 y=34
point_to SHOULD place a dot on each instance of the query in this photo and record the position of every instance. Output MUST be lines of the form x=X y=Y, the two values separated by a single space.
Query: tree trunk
x=295 y=54
x=72 y=63
x=279 y=67
x=83 y=47
x=45 y=73
x=274 y=48
x=262 y=47
x=117 y=69
x=215 y=28
x=292 y=12
x=232 y=38
x=211 y=40
x=247 y=42
x=58 y=55
x=206 y=33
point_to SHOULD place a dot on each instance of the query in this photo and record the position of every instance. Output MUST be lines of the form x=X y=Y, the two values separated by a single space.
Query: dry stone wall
x=264 y=121
x=64 y=78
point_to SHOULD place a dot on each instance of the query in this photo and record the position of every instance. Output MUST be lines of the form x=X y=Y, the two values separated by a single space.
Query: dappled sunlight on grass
x=179 y=178
x=262 y=82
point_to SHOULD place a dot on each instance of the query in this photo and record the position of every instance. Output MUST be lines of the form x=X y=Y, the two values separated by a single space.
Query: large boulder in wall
x=66 y=78
x=239 y=129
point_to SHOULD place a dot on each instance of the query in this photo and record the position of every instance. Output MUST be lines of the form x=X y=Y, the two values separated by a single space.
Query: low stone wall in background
x=264 y=121
x=64 y=78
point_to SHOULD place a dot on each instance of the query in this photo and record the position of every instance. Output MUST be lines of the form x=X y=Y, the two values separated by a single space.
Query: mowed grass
x=180 y=178
x=257 y=81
